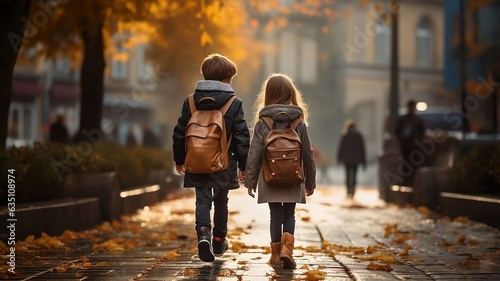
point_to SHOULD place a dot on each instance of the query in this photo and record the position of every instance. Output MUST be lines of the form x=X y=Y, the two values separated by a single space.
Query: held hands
x=241 y=176
x=180 y=169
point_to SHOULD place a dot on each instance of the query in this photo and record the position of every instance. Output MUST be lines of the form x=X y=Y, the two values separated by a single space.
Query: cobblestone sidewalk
x=363 y=239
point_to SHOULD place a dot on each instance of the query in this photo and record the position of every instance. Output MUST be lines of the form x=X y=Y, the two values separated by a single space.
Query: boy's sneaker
x=205 y=251
x=220 y=246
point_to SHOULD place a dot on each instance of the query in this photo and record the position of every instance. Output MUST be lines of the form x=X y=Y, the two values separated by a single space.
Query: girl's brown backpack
x=282 y=160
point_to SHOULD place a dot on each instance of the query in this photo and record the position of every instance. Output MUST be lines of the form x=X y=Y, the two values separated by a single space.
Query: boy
x=218 y=72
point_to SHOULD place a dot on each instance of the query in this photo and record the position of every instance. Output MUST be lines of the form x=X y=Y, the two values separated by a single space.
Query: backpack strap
x=226 y=106
x=192 y=107
x=295 y=123
x=269 y=121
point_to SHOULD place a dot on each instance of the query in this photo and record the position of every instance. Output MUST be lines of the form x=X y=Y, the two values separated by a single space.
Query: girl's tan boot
x=275 y=253
x=286 y=254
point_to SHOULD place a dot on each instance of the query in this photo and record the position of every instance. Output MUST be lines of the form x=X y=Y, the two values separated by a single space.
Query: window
x=424 y=42
x=22 y=126
x=288 y=54
x=119 y=64
x=382 y=41
x=144 y=66
x=298 y=57
x=62 y=66
x=309 y=58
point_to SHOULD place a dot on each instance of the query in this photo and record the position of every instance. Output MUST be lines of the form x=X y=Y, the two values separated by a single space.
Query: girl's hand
x=251 y=192
x=309 y=192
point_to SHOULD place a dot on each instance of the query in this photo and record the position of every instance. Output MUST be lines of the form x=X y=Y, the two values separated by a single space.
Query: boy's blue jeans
x=205 y=196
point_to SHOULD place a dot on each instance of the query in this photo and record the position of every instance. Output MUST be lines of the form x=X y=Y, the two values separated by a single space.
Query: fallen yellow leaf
x=61 y=269
x=405 y=251
x=377 y=266
x=315 y=275
x=190 y=271
x=461 y=219
x=424 y=210
x=170 y=255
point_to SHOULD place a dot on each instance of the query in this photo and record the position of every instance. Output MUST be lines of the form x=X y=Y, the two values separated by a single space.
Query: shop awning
x=26 y=89
x=65 y=92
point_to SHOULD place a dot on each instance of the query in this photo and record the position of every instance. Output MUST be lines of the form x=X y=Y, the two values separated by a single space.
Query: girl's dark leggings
x=282 y=220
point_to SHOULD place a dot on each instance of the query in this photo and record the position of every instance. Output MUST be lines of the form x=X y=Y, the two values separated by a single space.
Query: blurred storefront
x=44 y=89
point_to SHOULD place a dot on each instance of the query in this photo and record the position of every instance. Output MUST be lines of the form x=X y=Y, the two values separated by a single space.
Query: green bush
x=135 y=163
x=35 y=179
x=41 y=169
x=478 y=171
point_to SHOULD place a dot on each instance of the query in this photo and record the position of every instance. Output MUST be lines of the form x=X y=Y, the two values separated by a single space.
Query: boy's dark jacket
x=235 y=125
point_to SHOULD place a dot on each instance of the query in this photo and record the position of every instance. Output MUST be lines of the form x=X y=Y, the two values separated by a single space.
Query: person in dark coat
x=213 y=188
x=351 y=154
x=149 y=138
x=131 y=141
x=58 y=131
x=409 y=129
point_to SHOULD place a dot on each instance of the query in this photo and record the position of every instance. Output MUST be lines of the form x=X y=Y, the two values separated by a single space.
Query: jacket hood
x=217 y=90
x=271 y=110
x=213 y=85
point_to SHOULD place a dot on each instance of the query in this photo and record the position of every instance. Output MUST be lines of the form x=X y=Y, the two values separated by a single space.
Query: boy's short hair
x=218 y=67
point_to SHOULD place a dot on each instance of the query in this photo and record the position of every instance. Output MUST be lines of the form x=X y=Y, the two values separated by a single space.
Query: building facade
x=341 y=63
x=361 y=72
x=44 y=89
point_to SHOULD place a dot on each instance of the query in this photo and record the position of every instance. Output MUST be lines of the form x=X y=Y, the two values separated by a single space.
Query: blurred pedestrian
x=58 y=131
x=409 y=130
x=114 y=136
x=149 y=138
x=131 y=140
x=213 y=188
x=351 y=154
x=279 y=94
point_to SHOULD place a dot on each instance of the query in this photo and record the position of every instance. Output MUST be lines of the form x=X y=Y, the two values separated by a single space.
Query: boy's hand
x=309 y=192
x=241 y=176
x=251 y=191
x=180 y=169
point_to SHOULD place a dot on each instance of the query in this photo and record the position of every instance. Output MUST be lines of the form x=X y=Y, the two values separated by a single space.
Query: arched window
x=424 y=42
x=382 y=41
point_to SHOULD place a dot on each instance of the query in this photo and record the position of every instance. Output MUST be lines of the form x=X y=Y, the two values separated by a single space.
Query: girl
x=278 y=94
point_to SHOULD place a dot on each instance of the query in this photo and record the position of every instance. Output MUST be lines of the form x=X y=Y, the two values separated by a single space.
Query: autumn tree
x=189 y=34
x=12 y=13
x=83 y=30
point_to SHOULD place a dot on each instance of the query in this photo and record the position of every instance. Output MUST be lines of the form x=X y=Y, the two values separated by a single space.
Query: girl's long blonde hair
x=279 y=89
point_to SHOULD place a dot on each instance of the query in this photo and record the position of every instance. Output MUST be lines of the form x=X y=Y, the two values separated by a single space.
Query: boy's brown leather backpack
x=282 y=160
x=206 y=139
